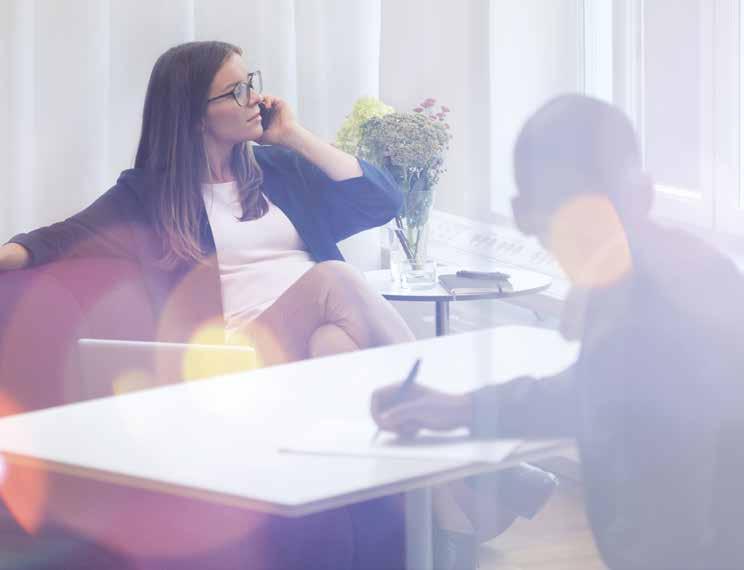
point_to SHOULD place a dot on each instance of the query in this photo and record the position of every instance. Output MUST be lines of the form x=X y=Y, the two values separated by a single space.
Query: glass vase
x=410 y=263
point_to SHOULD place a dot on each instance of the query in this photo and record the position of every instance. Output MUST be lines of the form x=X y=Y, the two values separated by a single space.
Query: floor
x=558 y=538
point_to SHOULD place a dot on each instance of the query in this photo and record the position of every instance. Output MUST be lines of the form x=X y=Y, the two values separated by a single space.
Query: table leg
x=442 y=317
x=418 y=529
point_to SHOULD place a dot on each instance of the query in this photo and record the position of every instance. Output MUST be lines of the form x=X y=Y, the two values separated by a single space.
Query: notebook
x=359 y=439
x=457 y=285
x=350 y=438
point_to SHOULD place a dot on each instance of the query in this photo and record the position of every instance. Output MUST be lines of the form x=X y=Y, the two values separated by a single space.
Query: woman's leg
x=330 y=339
x=330 y=309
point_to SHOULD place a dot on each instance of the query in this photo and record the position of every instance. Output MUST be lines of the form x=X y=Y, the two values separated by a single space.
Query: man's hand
x=422 y=408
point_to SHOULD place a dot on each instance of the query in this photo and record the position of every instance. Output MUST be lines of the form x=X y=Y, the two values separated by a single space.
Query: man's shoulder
x=694 y=275
x=674 y=252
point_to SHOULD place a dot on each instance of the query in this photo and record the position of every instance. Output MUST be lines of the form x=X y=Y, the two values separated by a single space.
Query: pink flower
x=418 y=110
x=427 y=103
x=445 y=109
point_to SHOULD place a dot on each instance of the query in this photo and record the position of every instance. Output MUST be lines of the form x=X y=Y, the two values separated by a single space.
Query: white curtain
x=493 y=62
x=75 y=73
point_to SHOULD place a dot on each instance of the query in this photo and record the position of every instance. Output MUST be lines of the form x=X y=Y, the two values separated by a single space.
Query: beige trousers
x=329 y=310
x=332 y=309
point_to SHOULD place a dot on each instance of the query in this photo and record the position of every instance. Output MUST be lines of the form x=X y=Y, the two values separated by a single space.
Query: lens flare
x=193 y=301
x=144 y=523
x=207 y=358
x=588 y=239
x=132 y=381
x=23 y=481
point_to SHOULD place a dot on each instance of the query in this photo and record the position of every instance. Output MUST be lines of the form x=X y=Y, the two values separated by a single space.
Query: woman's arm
x=337 y=164
x=13 y=256
x=350 y=195
x=103 y=229
x=286 y=131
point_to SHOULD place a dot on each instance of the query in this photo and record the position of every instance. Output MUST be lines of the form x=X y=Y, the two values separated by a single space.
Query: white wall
x=5 y=18
x=439 y=49
x=493 y=63
x=536 y=47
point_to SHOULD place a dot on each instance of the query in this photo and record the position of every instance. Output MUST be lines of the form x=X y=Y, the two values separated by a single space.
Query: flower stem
x=402 y=239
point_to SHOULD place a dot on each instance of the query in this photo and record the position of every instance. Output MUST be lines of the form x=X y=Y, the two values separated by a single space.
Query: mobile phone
x=266 y=115
x=484 y=275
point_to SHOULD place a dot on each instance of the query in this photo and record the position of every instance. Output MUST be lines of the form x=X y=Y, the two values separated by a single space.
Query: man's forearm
x=527 y=407
x=13 y=256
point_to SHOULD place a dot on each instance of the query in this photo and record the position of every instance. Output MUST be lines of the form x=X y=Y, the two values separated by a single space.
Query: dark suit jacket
x=119 y=224
x=655 y=404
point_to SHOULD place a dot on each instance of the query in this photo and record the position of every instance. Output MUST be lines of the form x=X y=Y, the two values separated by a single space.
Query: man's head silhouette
x=581 y=186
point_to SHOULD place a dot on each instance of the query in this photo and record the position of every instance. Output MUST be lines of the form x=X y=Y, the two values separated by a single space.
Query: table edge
x=455 y=471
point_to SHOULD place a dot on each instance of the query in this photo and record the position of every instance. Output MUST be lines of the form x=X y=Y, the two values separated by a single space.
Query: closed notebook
x=457 y=285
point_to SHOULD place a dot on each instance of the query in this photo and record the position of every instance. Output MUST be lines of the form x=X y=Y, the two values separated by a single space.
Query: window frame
x=610 y=67
x=717 y=209
x=693 y=207
x=730 y=95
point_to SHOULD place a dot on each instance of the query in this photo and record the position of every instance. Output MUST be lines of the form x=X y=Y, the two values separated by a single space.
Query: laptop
x=120 y=366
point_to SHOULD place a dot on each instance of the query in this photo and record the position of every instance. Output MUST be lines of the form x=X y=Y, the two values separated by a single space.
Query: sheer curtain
x=76 y=71
x=493 y=62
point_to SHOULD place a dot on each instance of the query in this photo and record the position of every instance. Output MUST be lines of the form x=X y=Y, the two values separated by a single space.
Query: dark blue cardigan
x=120 y=224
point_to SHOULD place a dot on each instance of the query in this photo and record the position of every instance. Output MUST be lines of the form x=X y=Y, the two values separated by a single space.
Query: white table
x=522 y=281
x=183 y=439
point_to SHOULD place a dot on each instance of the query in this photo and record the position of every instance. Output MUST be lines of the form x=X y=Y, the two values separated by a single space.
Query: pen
x=402 y=391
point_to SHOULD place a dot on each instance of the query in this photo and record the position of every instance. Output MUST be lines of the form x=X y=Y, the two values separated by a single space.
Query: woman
x=245 y=237
x=248 y=231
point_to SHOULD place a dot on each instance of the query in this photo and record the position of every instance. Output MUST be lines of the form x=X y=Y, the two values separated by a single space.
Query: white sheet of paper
x=355 y=439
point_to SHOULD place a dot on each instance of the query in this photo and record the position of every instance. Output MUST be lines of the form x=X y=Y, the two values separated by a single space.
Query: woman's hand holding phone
x=284 y=129
x=278 y=121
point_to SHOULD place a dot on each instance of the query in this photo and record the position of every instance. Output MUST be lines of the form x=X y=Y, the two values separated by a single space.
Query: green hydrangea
x=365 y=108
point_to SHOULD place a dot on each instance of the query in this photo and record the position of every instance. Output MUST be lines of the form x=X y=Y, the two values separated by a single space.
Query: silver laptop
x=120 y=366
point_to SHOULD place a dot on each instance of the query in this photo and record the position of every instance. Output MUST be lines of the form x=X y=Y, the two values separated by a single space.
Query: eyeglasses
x=242 y=91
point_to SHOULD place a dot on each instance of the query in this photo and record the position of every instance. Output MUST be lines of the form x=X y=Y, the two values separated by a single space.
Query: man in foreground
x=655 y=398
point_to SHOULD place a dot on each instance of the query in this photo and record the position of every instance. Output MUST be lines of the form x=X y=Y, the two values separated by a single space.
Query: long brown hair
x=171 y=148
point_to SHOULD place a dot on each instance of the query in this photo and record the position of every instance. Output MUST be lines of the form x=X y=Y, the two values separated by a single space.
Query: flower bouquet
x=365 y=108
x=411 y=148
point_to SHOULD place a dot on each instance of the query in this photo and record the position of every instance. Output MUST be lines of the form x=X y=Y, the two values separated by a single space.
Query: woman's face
x=226 y=122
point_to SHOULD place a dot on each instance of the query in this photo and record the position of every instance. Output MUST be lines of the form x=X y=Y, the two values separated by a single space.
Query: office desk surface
x=218 y=439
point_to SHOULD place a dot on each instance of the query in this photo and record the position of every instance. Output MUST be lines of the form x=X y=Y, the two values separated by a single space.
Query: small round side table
x=522 y=282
